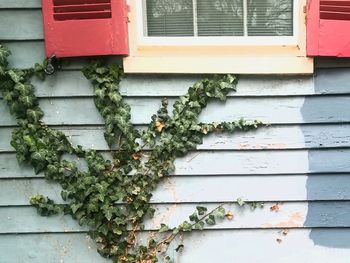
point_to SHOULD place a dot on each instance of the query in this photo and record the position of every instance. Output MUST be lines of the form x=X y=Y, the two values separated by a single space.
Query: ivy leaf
x=39 y=155
x=163 y=228
x=14 y=76
x=201 y=210
x=220 y=213
x=199 y=225
x=240 y=202
x=27 y=100
x=117 y=231
x=194 y=217
x=75 y=207
x=210 y=220
x=64 y=195
x=179 y=248
x=186 y=226
x=101 y=70
x=4 y=53
x=34 y=115
x=167 y=259
x=108 y=214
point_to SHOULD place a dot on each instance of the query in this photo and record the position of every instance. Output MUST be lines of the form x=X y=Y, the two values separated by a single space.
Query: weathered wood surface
x=324 y=109
x=271 y=137
x=198 y=189
x=20 y=4
x=230 y=163
x=20 y=57
x=336 y=77
x=73 y=83
x=289 y=215
x=21 y=24
x=258 y=246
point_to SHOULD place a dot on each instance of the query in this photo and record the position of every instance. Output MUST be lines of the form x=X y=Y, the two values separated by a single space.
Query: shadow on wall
x=331 y=180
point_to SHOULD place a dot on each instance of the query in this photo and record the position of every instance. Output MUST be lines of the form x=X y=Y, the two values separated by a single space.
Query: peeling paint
x=243 y=146
x=294 y=220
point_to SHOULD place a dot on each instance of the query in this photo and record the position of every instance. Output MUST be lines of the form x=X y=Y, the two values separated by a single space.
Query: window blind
x=169 y=17
x=219 y=18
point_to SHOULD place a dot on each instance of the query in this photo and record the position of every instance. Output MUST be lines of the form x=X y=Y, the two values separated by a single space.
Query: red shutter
x=85 y=27
x=328 y=28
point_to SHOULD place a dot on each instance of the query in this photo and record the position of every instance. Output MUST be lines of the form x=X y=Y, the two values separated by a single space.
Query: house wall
x=301 y=160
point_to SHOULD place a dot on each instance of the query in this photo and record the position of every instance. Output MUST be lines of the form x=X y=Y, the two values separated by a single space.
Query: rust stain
x=294 y=220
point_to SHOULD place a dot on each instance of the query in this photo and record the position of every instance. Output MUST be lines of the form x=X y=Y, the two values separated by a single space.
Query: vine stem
x=166 y=241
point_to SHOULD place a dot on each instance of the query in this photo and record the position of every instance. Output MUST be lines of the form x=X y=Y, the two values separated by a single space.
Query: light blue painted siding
x=302 y=161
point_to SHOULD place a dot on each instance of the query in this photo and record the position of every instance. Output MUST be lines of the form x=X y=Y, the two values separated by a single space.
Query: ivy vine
x=112 y=197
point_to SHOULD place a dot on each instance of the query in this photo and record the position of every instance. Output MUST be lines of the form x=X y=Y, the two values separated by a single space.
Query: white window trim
x=216 y=40
x=220 y=57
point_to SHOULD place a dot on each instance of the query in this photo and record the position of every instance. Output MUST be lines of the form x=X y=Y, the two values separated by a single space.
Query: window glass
x=219 y=18
x=270 y=17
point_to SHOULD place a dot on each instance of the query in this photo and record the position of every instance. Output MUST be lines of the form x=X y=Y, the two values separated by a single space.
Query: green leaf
x=108 y=214
x=199 y=225
x=240 y=202
x=194 y=217
x=163 y=228
x=186 y=226
x=179 y=248
x=220 y=213
x=201 y=210
x=167 y=259
x=14 y=76
x=75 y=207
x=210 y=220
x=117 y=231
x=64 y=195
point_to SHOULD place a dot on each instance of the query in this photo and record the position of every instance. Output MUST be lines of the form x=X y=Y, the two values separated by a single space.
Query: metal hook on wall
x=51 y=65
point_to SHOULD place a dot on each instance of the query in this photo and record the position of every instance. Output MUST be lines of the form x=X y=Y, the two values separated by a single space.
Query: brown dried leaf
x=136 y=156
x=275 y=208
x=160 y=126
x=229 y=215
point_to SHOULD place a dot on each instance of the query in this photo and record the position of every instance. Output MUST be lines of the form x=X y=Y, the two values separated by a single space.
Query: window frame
x=141 y=27
x=216 y=54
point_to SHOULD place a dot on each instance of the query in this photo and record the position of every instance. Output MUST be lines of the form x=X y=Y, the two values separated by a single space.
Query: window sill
x=216 y=65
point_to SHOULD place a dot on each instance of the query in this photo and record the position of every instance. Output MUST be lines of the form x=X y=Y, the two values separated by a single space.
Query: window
x=198 y=18
x=217 y=36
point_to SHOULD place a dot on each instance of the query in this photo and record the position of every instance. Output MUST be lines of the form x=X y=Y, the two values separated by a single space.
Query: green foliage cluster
x=112 y=197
